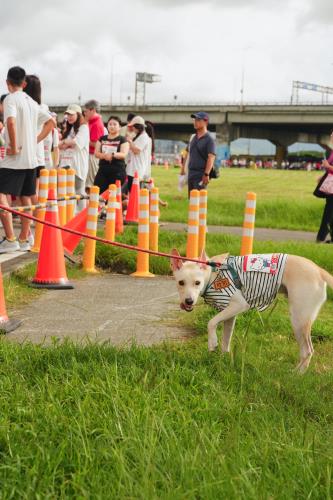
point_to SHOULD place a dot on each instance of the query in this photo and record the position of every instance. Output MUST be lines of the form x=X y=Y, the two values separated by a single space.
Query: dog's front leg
x=236 y=305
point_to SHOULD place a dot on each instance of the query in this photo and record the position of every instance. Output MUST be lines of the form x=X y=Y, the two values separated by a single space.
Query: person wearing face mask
x=74 y=148
x=111 y=151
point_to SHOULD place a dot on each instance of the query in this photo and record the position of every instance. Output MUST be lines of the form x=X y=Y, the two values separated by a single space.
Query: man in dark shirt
x=202 y=152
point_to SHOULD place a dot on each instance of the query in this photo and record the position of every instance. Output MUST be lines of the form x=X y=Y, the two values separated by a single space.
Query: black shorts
x=194 y=181
x=107 y=176
x=38 y=169
x=18 y=182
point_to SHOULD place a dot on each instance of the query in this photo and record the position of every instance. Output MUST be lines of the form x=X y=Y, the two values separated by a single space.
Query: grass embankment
x=284 y=198
x=172 y=421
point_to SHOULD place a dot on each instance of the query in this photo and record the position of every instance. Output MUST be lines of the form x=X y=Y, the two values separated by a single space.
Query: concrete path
x=259 y=232
x=104 y=308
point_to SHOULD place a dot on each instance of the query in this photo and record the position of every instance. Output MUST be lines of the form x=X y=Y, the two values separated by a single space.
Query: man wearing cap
x=202 y=152
x=96 y=130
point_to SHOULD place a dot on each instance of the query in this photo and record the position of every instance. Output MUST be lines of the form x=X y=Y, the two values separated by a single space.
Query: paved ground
x=107 y=307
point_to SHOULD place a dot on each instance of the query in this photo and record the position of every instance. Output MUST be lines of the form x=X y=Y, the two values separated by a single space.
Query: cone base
x=52 y=286
x=9 y=325
x=91 y=270
x=130 y=222
x=142 y=274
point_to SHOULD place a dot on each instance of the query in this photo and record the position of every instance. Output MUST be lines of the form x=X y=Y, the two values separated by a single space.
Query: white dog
x=237 y=284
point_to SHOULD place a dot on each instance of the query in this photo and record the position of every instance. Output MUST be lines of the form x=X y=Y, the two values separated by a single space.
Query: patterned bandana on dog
x=257 y=276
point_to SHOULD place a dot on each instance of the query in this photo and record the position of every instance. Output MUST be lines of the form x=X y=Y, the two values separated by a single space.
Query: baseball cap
x=73 y=108
x=137 y=120
x=201 y=115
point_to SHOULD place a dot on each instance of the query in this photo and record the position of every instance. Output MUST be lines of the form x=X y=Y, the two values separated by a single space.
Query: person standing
x=22 y=117
x=111 y=151
x=202 y=153
x=51 y=147
x=74 y=148
x=139 y=156
x=96 y=130
x=326 y=225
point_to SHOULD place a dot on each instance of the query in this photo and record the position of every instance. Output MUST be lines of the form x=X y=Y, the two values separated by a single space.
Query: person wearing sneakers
x=23 y=118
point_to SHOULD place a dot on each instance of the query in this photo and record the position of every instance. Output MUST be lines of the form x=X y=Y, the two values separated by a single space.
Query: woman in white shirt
x=51 y=147
x=74 y=148
x=139 y=156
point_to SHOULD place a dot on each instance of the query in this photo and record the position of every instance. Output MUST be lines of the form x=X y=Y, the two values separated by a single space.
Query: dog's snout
x=189 y=302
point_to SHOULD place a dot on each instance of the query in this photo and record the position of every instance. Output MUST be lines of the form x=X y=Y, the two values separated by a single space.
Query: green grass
x=167 y=422
x=284 y=198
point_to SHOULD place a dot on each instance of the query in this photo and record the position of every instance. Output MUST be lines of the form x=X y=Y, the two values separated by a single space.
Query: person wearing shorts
x=22 y=117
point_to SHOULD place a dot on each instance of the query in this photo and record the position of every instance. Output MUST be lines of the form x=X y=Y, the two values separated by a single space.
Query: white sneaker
x=7 y=246
x=31 y=239
x=24 y=245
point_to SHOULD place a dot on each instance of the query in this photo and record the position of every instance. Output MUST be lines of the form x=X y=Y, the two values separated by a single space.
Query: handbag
x=327 y=185
x=317 y=192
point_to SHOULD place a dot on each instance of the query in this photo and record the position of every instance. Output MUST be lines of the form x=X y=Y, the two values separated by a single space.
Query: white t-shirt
x=40 y=145
x=140 y=162
x=51 y=140
x=30 y=118
x=77 y=157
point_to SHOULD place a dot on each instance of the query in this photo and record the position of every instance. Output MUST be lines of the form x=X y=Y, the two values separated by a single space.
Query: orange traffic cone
x=51 y=270
x=6 y=325
x=77 y=223
x=132 y=214
x=119 y=210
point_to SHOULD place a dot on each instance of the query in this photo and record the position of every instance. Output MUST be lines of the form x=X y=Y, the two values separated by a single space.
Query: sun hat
x=137 y=120
x=73 y=108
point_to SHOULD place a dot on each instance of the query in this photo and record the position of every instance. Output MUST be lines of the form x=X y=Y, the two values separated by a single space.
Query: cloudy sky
x=200 y=48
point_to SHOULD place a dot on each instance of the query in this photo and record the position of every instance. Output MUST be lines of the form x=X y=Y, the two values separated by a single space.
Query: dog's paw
x=212 y=345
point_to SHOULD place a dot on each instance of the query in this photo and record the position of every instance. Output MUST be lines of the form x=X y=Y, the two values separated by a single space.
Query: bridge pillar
x=225 y=133
x=281 y=153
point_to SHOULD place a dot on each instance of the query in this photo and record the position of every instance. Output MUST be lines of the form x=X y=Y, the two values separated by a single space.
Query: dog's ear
x=203 y=256
x=175 y=263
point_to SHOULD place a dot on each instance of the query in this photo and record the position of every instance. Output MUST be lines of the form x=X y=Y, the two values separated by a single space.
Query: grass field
x=173 y=421
x=284 y=198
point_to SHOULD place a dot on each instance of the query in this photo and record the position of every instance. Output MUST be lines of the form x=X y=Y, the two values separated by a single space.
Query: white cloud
x=199 y=48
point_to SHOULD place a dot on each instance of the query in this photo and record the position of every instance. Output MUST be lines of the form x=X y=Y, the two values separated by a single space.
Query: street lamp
x=112 y=74
x=243 y=75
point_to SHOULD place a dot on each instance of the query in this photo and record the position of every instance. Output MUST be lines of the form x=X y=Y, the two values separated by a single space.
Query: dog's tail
x=327 y=277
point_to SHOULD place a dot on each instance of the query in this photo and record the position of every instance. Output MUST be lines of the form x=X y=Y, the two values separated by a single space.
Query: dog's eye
x=198 y=283
x=181 y=283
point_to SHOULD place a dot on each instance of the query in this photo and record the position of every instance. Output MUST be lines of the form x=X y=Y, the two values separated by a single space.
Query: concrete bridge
x=281 y=124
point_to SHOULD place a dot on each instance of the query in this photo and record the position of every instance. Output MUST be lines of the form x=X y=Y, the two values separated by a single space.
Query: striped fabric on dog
x=258 y=286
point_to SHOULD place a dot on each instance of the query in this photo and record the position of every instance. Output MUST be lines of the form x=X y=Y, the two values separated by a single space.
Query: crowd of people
x=31 y=139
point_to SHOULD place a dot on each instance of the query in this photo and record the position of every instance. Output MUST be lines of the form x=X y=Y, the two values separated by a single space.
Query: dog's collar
x=227 y=265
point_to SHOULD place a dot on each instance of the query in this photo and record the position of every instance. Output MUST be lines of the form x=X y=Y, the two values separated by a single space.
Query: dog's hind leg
x=228 y=329
x=303 y=313
x=236 y=305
